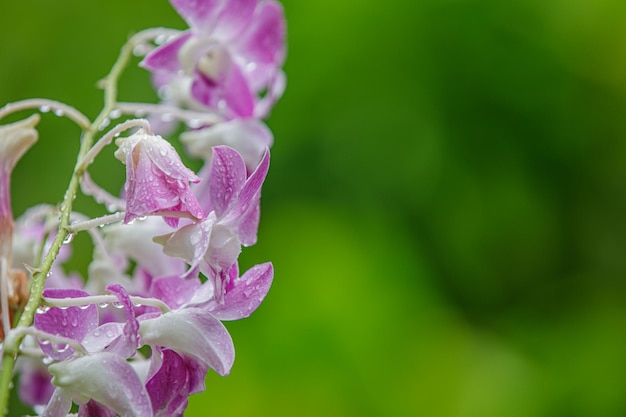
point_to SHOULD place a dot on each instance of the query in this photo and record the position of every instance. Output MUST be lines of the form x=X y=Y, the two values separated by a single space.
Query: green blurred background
x=445 y=207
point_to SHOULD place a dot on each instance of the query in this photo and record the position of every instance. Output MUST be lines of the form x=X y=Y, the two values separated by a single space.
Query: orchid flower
x=233 y=198
x=232 y=53
x=103 y=374
x=157 y=182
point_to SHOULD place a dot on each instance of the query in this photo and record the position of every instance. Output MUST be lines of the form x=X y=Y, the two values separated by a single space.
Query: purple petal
x=106 y=378
x=72 y=322
x=174 y=291
x=251 y=191
x=231 y=94
x=93 y=409
x=165 y=57
x=193 y=332
x=35 y=387
x=264 y=39
x=168 y=386
x=249 y=225
x=227 y=178
x=246 y=294
x=125 y=345
x=156 y=180
x=199 y=14
x=234 y=17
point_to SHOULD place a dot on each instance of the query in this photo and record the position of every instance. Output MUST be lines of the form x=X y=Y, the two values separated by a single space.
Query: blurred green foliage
x=445 y=208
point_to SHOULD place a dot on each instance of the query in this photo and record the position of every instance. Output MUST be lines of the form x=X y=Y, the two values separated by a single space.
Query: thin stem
x=4 y=294
x=11 y=347
x=97 y=222
x=111 y=134
x=194 y=119
x=104 y=299
x=20 y=332
x=45 y=105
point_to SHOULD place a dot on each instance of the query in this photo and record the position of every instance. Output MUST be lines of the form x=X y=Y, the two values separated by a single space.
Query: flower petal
x=72 y=322
x=193 y=332
x=227 y=178
x=174 y=291
x=165 y=57
x=246 y=294
x=59 y=404
x=125 y=345
x=249 y=137
x=94 y=409
x=199 y=14
x=106 y=378
x=168 y=386
x=264 y=39
x=234 y=16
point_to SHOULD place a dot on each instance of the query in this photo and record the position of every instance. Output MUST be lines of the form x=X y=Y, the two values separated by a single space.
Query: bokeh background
x=445 y=207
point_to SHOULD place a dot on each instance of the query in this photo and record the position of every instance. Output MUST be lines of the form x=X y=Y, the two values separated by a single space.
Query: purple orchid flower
x=157 y=182
x=179 y=369
x=214 y=243
x=102 y=379
x=232 y=53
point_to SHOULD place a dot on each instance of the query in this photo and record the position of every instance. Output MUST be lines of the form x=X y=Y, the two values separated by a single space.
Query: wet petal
x=106 y=378
x=227 y=178
x=246 y=294
x=165 y=57
x=72 y=322
x=59 y=404
x=193 y=332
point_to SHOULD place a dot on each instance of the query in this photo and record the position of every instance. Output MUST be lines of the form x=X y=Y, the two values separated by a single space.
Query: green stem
x=11 y=345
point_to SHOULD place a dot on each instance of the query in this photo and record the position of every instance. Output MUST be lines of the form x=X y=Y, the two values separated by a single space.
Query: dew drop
x=84 y=307
x=58 y=112
x=47 y=360
x=68 y=239
x=140 y=50
x=44 y=342
x=44 y=109
x=104 y=124
x=118 y=305
x=103 y=305
x=115 y=113
x=161 y=39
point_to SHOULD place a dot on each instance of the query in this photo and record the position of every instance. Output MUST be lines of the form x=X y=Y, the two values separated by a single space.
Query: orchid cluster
x=138 y=334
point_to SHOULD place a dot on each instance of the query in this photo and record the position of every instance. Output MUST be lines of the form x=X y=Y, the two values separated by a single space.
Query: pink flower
x=157 y=182
x=232 y=53
x=233 y=200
